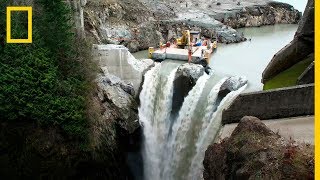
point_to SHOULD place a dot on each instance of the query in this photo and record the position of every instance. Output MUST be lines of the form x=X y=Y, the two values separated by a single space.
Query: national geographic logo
x=19 y=8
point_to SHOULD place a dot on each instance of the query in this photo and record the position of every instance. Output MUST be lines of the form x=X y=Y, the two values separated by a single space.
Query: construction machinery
x=189 y=47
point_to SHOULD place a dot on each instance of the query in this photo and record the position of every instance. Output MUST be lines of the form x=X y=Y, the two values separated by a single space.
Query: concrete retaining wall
x=118 y=61
x=274 y=104
x=307 y=77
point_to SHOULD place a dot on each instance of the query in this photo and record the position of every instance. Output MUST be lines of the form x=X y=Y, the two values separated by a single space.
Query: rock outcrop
x=255 y=152
x=139 y=24
x=117 y=102
x=298 y=49
x=255 y=16
x=186 y=77
x=234 y=83
x=208 y=27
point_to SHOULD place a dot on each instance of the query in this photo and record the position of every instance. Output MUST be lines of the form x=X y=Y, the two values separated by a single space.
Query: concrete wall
x=307 y=77
x=274 y=104
x=118 y=61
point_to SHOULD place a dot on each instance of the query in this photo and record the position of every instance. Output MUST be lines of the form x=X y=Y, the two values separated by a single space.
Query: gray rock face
x=234 y=83
x=139 y=24
x=298 y=49
x=254 y=16
x=209 y=28
x=191 y=71
x=117 y=102
x=116 y=81
x=229 y=35
x=186 y=77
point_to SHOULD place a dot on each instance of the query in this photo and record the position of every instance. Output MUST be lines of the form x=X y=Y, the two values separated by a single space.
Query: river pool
x=248 y=58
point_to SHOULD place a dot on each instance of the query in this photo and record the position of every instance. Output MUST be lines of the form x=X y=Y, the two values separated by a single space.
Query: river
x=249 y=58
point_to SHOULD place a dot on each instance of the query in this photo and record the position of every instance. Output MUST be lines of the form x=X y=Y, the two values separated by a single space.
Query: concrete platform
x=301 y=129
x=178 y=54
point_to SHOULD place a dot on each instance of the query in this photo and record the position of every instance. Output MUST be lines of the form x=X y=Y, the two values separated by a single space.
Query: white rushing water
x=174 y=148
x=210 y=128
x=154 y=113
x=178 y=138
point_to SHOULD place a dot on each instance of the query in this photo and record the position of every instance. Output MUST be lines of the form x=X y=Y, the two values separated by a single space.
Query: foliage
x=44 y=82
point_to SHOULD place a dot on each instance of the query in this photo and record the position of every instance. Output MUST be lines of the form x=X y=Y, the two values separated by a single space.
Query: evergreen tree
x=43 y=81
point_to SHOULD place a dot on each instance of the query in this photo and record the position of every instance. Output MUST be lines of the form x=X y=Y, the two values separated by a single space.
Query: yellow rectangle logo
x=19 y=8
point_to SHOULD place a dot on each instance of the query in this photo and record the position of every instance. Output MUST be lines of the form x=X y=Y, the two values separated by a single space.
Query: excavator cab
x=184 y=40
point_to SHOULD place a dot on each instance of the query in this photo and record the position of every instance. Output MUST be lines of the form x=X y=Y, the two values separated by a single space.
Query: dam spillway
x=174 y=145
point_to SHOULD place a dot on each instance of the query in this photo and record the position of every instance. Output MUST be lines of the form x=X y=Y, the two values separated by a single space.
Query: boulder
x=255 y=152
x=116 y=81
x=117 y=102
x=234 y=83
x=186 y=77
x=191 y=71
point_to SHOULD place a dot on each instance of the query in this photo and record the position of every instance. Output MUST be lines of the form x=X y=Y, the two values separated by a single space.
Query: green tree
x=44 y=81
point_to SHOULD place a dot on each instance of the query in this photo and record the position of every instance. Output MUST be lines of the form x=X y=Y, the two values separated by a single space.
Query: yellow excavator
x=188 y=47
x=185 y=40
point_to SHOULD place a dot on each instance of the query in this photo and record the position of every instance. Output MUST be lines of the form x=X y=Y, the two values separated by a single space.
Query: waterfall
x=154 y=114
x=177 y=141
x=174 y=148
x=211 y=125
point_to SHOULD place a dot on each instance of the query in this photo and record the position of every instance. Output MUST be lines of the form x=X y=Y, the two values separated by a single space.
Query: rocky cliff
x=297 y=50
x=255 y=152
x=255 y=16
x=139 y=24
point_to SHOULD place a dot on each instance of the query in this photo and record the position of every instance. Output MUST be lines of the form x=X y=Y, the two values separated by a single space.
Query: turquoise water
x=250 y=58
